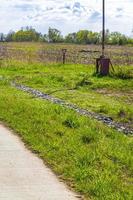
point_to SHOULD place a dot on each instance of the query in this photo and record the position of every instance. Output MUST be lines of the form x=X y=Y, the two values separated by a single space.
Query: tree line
x=29 y=34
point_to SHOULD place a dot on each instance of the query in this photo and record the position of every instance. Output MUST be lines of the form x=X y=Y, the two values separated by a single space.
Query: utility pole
x=103 y=63
x=103 y=31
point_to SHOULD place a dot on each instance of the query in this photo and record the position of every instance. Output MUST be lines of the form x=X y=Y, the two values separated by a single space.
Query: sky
x=66 y=15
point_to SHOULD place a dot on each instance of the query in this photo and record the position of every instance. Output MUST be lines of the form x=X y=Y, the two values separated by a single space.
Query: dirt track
x=23 y=176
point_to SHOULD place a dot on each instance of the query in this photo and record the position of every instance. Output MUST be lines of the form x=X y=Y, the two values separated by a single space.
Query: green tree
x=9 y=36
x=117 y=38
x=45 y=38
x=82 y=37
x=130 y=41
x=107 y=36
x=2 y=37
x=54 y=35
x=71 y=38
x=28 y=34
x=93 y=37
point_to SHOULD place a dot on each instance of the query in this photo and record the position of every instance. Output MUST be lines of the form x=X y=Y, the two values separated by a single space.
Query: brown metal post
x=104 y=66
x=64 y=55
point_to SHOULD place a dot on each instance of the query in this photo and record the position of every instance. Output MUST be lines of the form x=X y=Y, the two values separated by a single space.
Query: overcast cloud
x=66 y=15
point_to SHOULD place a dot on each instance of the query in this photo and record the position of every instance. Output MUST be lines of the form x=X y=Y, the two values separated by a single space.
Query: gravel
x=105 y=119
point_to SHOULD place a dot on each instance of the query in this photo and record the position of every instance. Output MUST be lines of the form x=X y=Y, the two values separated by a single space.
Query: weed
x=103 y=109
x=57 y=78
x=121 y=113
x=88 y=138
x=83 y=82
x=71 y=122
x=59 y=133
x=123 y=73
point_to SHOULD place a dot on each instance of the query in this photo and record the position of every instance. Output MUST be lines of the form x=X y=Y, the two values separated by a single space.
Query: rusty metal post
x=64 y=55
x=105 y=65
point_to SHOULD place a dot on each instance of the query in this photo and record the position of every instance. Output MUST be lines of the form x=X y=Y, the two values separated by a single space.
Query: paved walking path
x=23 y=176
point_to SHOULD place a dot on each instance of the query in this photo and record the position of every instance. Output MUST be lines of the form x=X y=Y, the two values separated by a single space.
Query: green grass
x=93 y=159
x=110 y=95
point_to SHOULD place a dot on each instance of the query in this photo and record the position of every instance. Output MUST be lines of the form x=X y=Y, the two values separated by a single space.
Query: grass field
x=52 y=53
x=78 y=84
x=93 y=159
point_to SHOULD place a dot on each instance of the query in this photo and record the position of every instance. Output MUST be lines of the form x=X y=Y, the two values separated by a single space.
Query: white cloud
x=66 y=15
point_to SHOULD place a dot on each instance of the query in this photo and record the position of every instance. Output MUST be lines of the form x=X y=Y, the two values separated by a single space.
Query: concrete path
x=23 y=176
